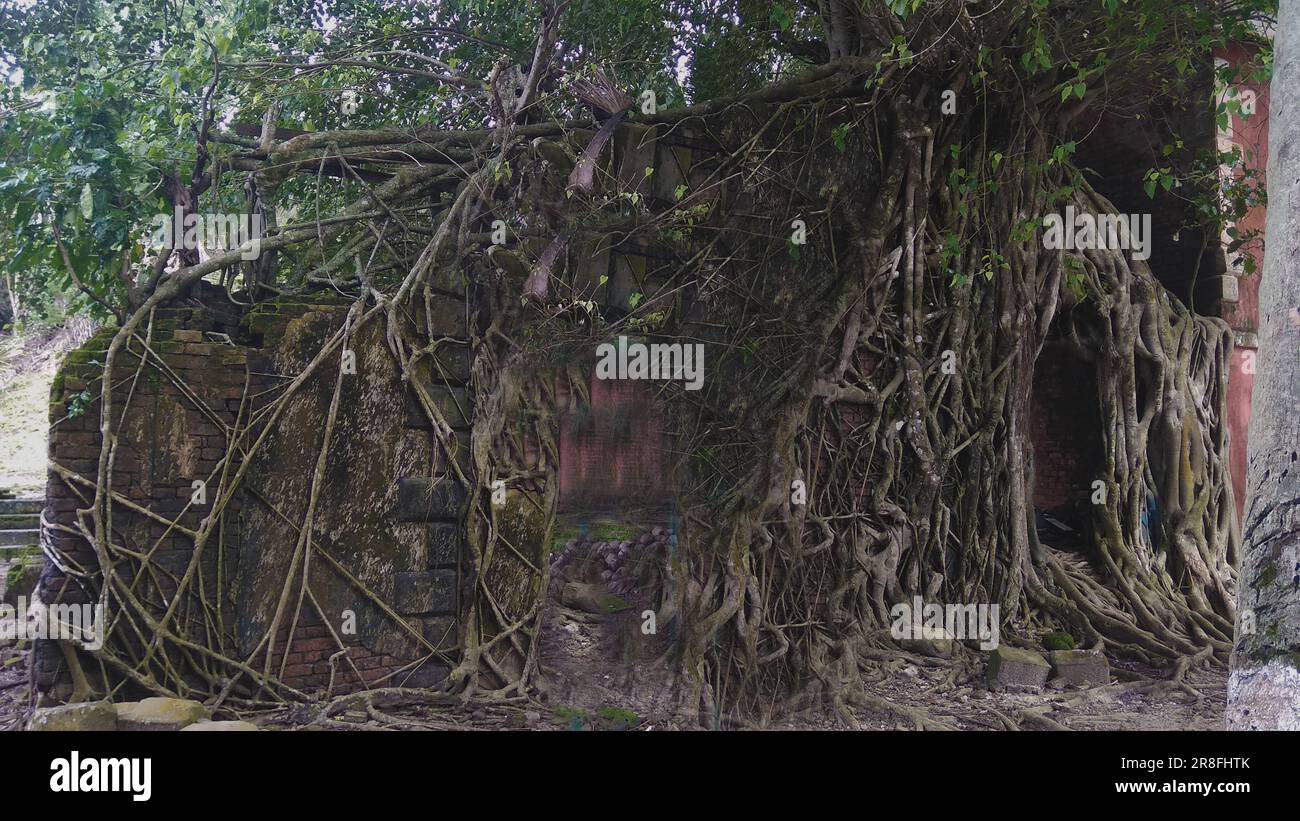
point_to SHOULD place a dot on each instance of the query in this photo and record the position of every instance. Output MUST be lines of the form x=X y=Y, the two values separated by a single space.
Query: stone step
x=19 y=538
x=10 y=506
x=20 y=521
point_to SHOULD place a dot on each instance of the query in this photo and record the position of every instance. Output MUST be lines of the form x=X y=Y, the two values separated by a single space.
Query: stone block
x=451 y=363
x=635 y=148
x=444 y=545
x=439 y=631
x=426 y=591
x=1085 y=668
x=221 y=727
x=628 y=278
x=159 y=714
x=591 y=263
x=448 y=316
x=460 y=453
x=672 y=169
x=1016 y=670
x=452 y=402
x=95 y=716
x=429 y=674
x=449 y=279
x=421 y=499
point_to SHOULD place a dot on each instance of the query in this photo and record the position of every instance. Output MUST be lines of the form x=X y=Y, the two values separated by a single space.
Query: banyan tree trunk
x=919 y=476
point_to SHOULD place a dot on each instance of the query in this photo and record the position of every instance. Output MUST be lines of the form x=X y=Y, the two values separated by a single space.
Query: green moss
x=15 y=574
x=22 y=575
x=613 y=604
x=563 y=533
x=611 y=532
x=617 y=718
x=1267 y=575
x=600 y=531
x=572 y=718
x=606 y=718
x=1059 y=640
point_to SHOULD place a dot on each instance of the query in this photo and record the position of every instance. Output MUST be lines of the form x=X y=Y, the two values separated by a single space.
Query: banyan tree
x=857 y=245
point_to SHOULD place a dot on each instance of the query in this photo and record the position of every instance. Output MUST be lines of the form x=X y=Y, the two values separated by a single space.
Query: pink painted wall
x=1251 y=134
x=614 y=451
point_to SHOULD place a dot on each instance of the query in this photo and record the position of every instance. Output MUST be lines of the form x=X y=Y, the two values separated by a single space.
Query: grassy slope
x=24 y=411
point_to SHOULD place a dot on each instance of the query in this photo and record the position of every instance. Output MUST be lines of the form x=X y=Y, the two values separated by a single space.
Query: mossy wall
x=384 y=584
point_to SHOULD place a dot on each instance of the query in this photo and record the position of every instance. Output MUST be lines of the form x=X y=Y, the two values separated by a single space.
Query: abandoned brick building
x=382 y=598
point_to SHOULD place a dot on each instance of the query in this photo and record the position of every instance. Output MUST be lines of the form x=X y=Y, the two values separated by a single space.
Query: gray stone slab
x=427 y=499
x=1013 y=669
x=1084 y=668
x=425 y=592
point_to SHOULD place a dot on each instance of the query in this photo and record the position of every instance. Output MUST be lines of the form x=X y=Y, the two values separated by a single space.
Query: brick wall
x=614 y=449
x=176 y=430
x=1064 y=425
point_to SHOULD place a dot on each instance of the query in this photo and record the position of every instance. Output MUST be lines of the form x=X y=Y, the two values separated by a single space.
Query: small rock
x=1015 y=670
x=1058 y=683
x=221 y=727
x=91 y=716
x=591 y=598
x=532 y=716
x=1086 y=668
x=935 y=648
x=159 y=714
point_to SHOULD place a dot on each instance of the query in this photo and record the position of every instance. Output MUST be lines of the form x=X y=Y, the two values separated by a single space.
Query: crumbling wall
x=385 y=562
x=376 y=536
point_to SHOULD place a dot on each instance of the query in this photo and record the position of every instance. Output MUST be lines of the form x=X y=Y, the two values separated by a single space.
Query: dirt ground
x=587 y=672
x=586 y=692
